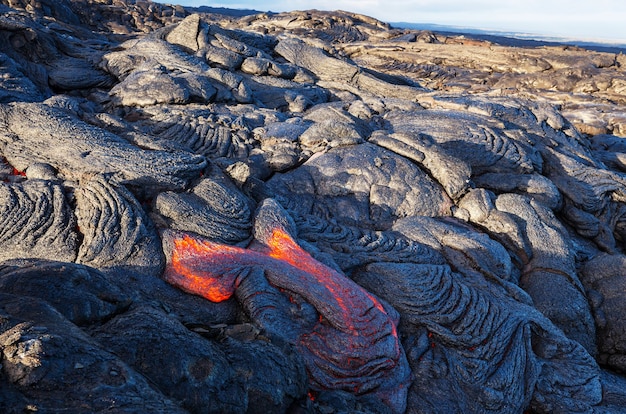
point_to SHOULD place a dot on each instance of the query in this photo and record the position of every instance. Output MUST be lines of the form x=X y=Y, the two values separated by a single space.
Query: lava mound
x=207 y=211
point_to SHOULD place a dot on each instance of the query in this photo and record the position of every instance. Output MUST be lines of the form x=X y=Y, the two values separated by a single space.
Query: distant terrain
x=514 y=38
x=224 y=11
x=505 y=38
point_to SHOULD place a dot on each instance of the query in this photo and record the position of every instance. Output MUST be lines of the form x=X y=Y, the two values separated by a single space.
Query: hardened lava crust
x=205 y=210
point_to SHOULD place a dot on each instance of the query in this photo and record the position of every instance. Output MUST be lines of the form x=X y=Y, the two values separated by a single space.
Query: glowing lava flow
x=209 y=283
x=342 y=289
x=353 y=347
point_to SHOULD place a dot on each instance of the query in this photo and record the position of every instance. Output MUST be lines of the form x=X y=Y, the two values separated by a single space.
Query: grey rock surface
x=550 y=276
x=211 y=209
x=603 y=276
x=350 y=247
x=203 y=374
x=363 y=184
x=76 y=148
x=480 y=142
x=448 y=330
x=53 y=365
x=82 y=294
x=37 y=222
x=116 y=232
x=372 y=219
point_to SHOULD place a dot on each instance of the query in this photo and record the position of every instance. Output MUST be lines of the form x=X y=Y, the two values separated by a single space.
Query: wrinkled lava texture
x=354 y=345
x=210 y=211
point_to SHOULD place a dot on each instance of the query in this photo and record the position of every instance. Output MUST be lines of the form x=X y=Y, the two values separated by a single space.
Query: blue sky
x=579 y=19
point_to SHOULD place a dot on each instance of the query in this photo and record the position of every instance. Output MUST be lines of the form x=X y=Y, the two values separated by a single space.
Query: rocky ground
x=304 y=212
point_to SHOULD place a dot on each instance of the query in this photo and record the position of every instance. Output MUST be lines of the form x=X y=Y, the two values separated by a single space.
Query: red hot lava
x=353 y=347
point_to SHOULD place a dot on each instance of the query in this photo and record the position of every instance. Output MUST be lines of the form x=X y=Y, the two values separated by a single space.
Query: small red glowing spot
x=147 y=202
x=15 y=171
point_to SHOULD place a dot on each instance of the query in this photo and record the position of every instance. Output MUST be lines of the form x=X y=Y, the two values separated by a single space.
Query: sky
x=599 y=20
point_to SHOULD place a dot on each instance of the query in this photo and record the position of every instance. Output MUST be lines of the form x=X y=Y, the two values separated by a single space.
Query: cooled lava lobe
x=354 y=344
x=381 y=219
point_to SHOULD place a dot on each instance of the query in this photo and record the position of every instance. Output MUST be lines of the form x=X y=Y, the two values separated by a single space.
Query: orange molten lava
x=284 y=248
x=186 y=274
x=209 y=269
x=353 y=347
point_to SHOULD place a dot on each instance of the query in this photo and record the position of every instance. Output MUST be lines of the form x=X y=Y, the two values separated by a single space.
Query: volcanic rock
x=305 y=212
x=348 y=340
x=37 y=221
x=202 y=374
x=341 y=183
x=456 y=339
x=80 y=293
x=603 y=276
x=52 y=365
x=212 y=209
x=77 y=148
x=115 y=229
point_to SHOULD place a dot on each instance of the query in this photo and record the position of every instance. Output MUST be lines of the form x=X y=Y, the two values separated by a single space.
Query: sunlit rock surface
x=304 y=212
